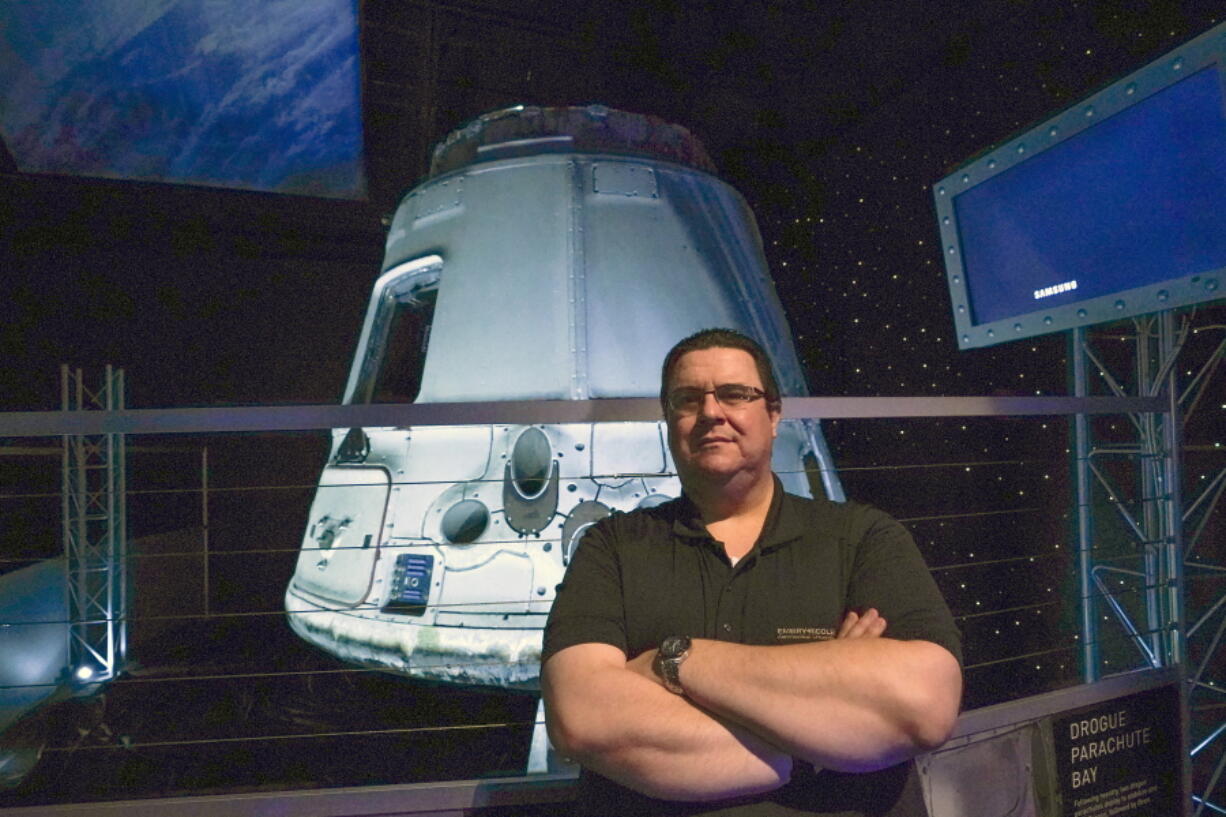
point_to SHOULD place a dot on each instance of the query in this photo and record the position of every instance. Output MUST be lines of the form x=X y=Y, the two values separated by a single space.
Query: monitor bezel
x=1206 y=51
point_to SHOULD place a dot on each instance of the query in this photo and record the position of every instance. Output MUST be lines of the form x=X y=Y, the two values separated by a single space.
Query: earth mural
x=233 y=93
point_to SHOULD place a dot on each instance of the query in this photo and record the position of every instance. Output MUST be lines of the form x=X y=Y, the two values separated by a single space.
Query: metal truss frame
x=1135 y=592
x=95 y=533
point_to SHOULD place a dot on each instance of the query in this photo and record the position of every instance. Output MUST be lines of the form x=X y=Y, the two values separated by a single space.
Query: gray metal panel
x=652 y=279
x=629 y=253
x=992 y=777
x=660 y=267
x=500 y=328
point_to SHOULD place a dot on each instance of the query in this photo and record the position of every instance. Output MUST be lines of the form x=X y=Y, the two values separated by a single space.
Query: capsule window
x=530 y=462
x=395 y=354
x=404 y=348
x=465 y=521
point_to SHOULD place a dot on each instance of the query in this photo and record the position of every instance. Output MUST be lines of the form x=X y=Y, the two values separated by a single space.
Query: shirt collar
x=687 y=521
x=782 y=525
x=783 y=520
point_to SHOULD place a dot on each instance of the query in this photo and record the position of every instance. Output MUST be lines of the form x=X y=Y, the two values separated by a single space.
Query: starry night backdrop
x=834 y=121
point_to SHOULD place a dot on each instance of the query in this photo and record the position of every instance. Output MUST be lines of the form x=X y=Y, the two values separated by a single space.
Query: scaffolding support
x=95 y=533
x=1131 y=480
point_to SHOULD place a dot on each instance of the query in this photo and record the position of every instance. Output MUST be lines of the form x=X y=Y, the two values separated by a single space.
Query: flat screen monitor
x=242 y=94
x=1115 y=207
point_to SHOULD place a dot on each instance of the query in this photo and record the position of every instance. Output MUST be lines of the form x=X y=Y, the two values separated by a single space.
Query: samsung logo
x=1047 y=292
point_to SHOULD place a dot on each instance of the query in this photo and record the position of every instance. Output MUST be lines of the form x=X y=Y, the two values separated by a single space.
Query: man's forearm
x=633 y=731
x=847 y=704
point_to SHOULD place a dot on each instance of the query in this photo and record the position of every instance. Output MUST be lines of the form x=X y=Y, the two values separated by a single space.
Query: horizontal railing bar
x=460 y=796
x=363 y=733
x=830 y=408
x=299 y=418
x=448 y=798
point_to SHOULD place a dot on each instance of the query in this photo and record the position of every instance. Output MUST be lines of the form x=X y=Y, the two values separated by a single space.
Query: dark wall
x=203 y=296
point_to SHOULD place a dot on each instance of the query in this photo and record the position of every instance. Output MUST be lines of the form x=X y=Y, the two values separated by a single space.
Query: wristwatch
x=673 y=650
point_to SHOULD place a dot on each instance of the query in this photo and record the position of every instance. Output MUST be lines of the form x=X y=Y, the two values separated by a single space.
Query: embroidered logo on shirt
x=803 y=634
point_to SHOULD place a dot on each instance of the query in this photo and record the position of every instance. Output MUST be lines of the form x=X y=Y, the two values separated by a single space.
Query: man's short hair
x=722 y=339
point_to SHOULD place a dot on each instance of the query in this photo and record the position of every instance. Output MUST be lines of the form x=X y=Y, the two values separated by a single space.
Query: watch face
x=674 y=645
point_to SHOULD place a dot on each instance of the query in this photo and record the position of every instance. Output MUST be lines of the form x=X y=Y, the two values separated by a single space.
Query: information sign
x=1121 y=757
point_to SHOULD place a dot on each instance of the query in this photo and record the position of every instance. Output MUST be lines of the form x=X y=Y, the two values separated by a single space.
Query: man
x=740 y=650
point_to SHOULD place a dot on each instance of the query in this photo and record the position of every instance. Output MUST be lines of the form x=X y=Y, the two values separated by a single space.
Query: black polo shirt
x=641 y=576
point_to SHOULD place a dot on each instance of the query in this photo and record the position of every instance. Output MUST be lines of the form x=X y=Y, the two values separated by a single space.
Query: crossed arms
x=856 y=703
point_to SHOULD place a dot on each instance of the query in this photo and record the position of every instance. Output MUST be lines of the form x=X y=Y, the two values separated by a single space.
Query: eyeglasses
x=730 y=395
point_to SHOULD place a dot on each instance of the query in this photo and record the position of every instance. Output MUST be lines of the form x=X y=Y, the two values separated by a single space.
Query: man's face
x=717 y=442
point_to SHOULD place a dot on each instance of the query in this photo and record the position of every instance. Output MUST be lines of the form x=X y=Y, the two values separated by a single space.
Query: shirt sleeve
x=589 y=605
x=889 y=573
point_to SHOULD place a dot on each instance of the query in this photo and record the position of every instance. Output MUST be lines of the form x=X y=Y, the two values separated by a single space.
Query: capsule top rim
x=525 y=130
